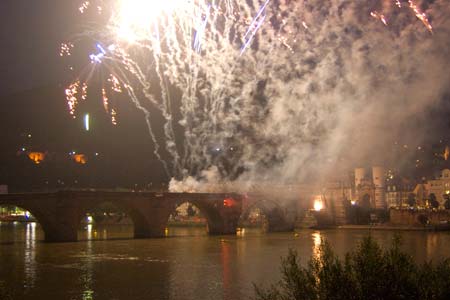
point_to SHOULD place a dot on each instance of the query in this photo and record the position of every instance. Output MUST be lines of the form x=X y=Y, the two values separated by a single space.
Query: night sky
x=31 y=32
x=33 y=78
x=32 y=82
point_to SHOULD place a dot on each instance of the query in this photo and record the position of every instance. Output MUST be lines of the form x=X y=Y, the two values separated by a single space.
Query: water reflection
x=240 y=231
x=225 y=256
x=431 y=245
x=30 y=255
x=95 y=231
x=89 y=230
x=87 y=274
x=186 y=266
x=317 y=242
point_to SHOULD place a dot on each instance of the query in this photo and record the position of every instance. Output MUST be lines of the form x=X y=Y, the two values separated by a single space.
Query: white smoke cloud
x=349 y=96
x=323 y=86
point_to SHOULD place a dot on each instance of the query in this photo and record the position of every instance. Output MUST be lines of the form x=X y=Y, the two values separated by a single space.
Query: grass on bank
x=367 y=273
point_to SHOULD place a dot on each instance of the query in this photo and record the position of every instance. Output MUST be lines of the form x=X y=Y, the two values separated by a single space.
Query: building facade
x=370 y=188
x=440 y=187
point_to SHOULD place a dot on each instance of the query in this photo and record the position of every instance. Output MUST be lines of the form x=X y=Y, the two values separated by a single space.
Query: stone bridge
x=60 y=213
x=280 y=211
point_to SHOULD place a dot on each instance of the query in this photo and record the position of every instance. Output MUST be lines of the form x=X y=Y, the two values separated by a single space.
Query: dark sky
x=33 y=77
x=31 y=88
x=31 y=32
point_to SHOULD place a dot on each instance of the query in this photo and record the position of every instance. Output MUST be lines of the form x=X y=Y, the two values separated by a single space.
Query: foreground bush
x=368 y=273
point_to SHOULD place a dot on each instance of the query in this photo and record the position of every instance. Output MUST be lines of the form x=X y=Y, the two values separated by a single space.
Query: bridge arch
x=38 y=213
x=255 y=214
x=138 y=219
x=214 y=220
x=275 y=214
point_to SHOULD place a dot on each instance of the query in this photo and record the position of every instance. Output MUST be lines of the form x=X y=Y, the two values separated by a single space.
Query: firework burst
x=215 y=56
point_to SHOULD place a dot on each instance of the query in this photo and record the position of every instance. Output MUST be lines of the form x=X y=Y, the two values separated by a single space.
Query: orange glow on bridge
x=229 y=202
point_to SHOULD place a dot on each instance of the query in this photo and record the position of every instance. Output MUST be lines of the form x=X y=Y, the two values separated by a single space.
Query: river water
x=188 y=264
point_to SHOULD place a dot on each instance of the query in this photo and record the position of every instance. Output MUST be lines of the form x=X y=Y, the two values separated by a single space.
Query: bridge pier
x=64 y=220
x=154 y=228
x=224 y=220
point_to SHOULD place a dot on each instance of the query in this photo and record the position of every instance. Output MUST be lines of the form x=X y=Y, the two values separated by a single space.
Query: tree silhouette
x=433 y=201
x=411 y=199
x=190 y=211
x=447 y=201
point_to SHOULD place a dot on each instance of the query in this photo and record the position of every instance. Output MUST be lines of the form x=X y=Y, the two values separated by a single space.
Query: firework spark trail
x=146 y=112
x=379 y=16
x=84 y=6
x=252 y=35
x=420 y=15
x=105 y=100
x=181 y=55
x=163 y=107
x=201 y=30
x=156 y=41
x=122 y=78
x=71 y=97
x=255 y=19
x=171 y=146
x=256 y=23
x=72 y=91
x=250 y=101
x=217 y=95
x=66 y=49
x=135 y=69
x=97 y=58
x=115 y=83
x=84 y=88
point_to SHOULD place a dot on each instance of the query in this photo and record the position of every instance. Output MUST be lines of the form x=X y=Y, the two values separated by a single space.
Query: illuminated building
x=369 y=191
x=397 y=193
x=79 y=158
x=335 y=197
x=440 y=186
x=36 y=157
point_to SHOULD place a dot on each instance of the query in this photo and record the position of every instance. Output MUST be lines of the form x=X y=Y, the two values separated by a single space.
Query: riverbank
x=441 y=227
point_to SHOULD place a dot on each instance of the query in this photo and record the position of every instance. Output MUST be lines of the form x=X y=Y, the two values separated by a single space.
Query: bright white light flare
x=136 y=19
x=86 y=122
x=318 y=204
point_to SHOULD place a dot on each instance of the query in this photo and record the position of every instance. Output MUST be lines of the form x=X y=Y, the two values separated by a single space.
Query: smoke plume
x=323 y=87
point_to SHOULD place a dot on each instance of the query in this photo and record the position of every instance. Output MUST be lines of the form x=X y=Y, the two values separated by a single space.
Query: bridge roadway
x=60 y=213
